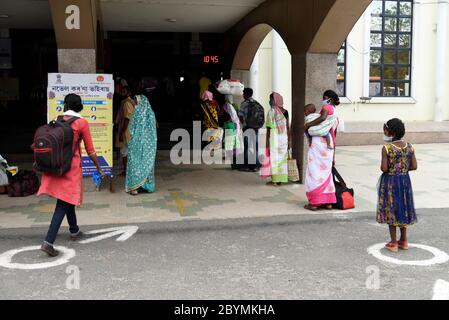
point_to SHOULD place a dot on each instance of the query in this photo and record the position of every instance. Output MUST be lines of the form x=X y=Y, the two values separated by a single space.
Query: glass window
x=391 y=43
x=391 y=24
x=389 y=57
x=374 y=89
x=405 y=24
x=376 y=40
x=390 y=40
x=375 y=56
x=391 y=8
x=341 y=71
x=405 y=8
x=404 y=57
x=376 y=23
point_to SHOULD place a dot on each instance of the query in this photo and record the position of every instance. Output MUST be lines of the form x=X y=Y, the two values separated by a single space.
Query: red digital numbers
x=211 y=59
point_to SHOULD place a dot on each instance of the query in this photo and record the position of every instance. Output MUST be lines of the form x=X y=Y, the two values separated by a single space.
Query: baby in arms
x=321 y=130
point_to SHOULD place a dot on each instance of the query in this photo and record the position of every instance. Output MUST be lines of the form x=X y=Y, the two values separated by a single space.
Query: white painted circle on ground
x=439 y=256
x=64 y=256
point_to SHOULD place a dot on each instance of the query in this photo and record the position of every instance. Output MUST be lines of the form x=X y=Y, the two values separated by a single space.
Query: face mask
x=387 y=138
x=325 y=102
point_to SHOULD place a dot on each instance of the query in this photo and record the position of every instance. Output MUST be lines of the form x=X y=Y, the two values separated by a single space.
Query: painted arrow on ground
x=125 y=233
x=441 y=290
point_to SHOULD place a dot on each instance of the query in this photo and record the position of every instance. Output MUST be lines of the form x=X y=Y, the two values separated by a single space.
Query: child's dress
x=395 y=203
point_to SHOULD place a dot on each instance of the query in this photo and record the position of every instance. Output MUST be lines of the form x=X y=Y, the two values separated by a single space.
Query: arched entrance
x=313 y=46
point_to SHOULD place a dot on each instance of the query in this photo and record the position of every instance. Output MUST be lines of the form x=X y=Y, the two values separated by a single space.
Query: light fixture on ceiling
x=171 y=20
x=4 y=16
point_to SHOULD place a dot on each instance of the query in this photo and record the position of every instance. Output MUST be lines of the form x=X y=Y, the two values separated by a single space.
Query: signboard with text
x=96 y=91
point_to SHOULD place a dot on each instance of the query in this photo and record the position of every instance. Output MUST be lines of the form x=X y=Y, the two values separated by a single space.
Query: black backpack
x=53 y=147
x=255 y=118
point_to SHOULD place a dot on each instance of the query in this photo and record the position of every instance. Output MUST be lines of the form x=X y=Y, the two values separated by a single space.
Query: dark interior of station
x=164 y=59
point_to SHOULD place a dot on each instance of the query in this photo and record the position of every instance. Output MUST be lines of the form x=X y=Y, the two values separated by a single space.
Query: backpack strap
x=69 y=121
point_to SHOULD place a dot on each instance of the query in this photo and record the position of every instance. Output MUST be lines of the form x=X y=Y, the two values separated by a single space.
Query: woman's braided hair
x=396 y=128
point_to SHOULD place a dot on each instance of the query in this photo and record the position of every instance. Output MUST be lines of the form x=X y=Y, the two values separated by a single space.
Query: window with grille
x=341 y=71
x=391 y=48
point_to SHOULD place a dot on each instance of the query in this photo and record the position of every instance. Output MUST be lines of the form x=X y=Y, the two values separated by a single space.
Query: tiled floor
x=216 y=192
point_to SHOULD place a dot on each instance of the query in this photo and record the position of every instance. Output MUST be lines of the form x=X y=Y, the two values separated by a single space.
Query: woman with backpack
x=68 y=188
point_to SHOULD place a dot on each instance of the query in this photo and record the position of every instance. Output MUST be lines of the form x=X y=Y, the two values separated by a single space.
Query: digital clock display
x=211 y=59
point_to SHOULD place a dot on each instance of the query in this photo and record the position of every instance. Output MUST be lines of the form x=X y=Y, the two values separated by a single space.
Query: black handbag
x=24 y=183
x=344 y=195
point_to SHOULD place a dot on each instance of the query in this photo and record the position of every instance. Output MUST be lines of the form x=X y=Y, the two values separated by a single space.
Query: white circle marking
x=439 y=256
x=6 y=259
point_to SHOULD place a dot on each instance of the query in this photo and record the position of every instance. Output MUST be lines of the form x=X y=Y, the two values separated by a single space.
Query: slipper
x=310 y=207
x=273 y=184
x=392 y=246
x=403 y=245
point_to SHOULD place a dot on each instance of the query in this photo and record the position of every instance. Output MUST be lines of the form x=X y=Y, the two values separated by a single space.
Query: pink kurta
x=69 y=187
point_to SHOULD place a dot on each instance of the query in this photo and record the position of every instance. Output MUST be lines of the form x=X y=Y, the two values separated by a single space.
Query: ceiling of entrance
x=139 y=15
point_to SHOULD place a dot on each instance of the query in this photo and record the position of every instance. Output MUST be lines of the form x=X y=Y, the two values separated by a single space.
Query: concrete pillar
x=77 y=61
x=277 y=61
x=441 y=63
x=312 y=74
x=254 y=76
x=76 y=23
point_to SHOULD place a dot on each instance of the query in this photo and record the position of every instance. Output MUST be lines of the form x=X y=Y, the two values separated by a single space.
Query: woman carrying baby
x=320 y=188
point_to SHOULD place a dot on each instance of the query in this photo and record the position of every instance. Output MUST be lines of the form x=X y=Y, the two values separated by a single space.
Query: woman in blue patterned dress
x=395 y=195
x=141 y=149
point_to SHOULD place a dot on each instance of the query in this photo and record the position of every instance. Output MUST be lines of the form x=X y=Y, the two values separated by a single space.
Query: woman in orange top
x=68 y=188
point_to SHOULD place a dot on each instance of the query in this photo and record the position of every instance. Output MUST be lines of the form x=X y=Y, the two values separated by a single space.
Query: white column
x=254 y=76
x=277 y=61
x=441 y=64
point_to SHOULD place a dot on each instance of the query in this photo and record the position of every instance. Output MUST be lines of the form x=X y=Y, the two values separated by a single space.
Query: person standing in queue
x=320 y=187
x=68 y=188
x=252 y=118
x=122 y=121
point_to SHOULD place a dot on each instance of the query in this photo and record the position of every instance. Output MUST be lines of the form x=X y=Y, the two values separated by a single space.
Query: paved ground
x=286 y=257
x=210 y=233
x=195 y=192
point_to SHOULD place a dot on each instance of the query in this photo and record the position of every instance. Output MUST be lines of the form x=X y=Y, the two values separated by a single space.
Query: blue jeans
x=251 y=157
x=62 y=209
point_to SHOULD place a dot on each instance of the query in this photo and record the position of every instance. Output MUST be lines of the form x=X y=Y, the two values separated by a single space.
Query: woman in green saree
x=141 y=149
x=278 y=140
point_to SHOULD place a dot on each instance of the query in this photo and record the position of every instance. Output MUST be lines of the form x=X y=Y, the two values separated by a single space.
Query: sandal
x=392 y=246
x=310 y=207
x=403 y=245
x=134 y=193
x=273 y=184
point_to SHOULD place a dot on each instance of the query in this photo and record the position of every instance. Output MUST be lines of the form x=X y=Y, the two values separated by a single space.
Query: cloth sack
x=233 y=87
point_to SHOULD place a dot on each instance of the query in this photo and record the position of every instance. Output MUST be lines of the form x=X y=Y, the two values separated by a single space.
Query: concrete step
x=371 y=133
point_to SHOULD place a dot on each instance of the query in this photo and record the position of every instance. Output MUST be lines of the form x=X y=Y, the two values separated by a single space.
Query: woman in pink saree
x=319 y=183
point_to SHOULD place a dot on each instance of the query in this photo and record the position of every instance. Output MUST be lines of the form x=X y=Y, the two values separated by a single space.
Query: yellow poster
x=96 y=91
